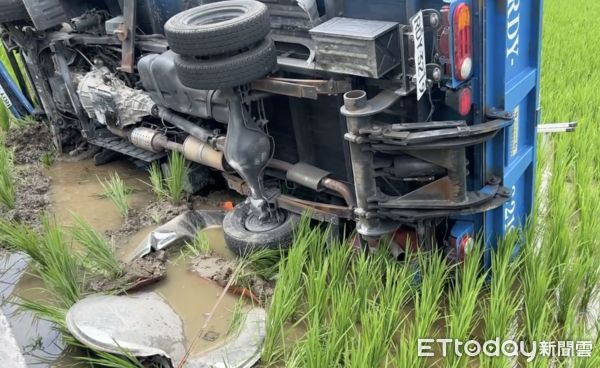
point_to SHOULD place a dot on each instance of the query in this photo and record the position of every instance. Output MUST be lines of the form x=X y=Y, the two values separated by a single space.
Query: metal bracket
x=126 y=34
x=399 y=136
x=302 y=88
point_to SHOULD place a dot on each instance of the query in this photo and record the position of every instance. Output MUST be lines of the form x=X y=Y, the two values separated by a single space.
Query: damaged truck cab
x=413 y=119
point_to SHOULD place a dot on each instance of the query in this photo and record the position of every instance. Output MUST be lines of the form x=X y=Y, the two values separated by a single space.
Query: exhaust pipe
x=192 y=148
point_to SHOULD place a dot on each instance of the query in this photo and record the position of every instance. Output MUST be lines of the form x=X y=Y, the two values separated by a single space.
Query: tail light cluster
x=455 y=46
x=463 y=42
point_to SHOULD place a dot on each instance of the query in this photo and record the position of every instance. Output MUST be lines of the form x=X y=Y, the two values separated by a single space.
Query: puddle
x=191 y=296
x=39 y=341
x=75 y=188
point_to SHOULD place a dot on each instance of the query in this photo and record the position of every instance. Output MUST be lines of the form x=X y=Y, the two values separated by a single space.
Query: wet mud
x=71 y=186
x=30 y=142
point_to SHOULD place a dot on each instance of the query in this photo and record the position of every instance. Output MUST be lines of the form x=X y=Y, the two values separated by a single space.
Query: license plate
x=5 y=99
x=418 y=30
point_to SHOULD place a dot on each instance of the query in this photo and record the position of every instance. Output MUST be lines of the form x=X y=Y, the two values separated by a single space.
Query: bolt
x=437 y=74
x=434 y=20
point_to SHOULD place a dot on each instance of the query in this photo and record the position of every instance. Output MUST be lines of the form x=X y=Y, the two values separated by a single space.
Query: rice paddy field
x=334 y=307
x=549 y=293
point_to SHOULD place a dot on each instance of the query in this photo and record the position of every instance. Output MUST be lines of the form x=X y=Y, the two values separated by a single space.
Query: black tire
x=242 y=241
x=227 y=72
x=218 y=28
x=11 y=10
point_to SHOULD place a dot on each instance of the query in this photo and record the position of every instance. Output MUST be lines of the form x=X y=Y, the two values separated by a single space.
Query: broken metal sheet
x=242 y=351
x=182 y=228
x=145 y=326
x=142 y=324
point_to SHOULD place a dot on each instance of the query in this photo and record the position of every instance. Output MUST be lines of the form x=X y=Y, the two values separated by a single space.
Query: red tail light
x=465 y=245
x=463 y=44
x=460 y=100
x=464 y=101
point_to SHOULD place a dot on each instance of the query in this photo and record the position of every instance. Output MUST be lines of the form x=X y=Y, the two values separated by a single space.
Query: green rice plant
x=21 y=238
x=45 y=311
x=321 y=347
x=379 y=323
x=62 y=271
x=536 y=280
x=59 y=267
x=47 y=159
x=504 y=298
x=157 y=181
x=463 y=299
x=7 y=185
x=433 y=273
x=175 y=181
x=4 y=118
x=366 y=271
x=287 y=294
x=316 y=286
x=571 y=278
x=104 y=359
x=238 y=315
x=100 y=255
x=116 y=190
x=199 y=245
x=340 y=258
x=264 y=263
x=591 y=280
x=326 y=342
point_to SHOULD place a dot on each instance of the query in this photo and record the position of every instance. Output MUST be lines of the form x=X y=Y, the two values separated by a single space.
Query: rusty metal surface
x=127 y=36
x=302 y=88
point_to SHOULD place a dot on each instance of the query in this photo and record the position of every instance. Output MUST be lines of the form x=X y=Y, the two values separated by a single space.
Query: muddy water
x=76 y=189
x=39 y=341
x=191 y=296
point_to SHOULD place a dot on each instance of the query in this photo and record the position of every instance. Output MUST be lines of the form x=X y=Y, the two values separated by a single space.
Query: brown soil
x=220 y=270
x=30 y=142
x=139 y=273
x=155 y=213
x=32 y=196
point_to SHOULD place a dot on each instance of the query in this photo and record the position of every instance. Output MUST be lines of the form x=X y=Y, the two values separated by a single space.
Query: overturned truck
x=411 y=119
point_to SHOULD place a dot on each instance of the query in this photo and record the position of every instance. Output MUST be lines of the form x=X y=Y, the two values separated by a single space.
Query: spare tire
x=218 y=28
x=242 y=241
x=11 y=10
x=229 y=71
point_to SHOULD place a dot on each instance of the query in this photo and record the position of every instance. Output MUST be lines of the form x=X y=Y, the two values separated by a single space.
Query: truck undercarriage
x=374 y=120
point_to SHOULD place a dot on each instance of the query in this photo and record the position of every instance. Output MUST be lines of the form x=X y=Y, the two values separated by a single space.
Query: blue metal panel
x=13 y=90
x=511 y=64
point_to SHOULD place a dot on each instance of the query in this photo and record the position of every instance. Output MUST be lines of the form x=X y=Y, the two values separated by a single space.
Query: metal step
x=122 y=146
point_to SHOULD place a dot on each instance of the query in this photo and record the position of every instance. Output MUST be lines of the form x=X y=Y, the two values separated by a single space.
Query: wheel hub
x=255 y=224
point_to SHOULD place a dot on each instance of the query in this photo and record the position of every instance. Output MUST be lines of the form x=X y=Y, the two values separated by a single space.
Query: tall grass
x=7 y=185
x=157 y=181
x=175 y=181
x=62 y=270
x=116 y=190
x=433 y=272
x=463 y=300
x=4 y=118
x=287 y=296
x=504 y=300
x=99 y=252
